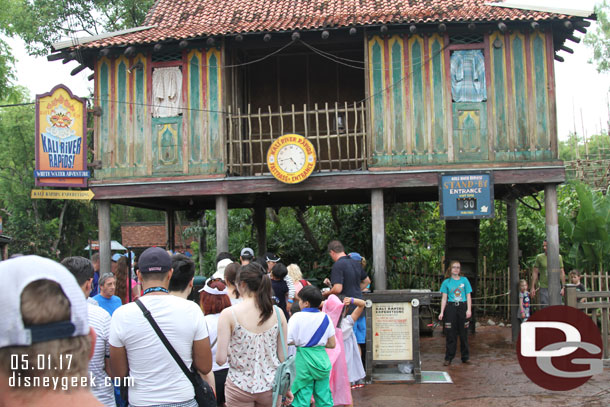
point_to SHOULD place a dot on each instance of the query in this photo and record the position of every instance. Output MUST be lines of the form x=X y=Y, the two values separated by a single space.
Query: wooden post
x=103 y=220
x=222 y=224
x=378 y=219
x=260 y=222
x=170 y=229
x=513 y=264
x=571 y=295
x=552 y=240
x=202 y=242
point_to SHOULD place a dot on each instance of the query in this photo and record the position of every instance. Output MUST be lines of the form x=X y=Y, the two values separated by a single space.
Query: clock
x=291 y=158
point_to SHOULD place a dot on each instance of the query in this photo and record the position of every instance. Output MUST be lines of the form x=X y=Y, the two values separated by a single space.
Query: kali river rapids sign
x=61 y=139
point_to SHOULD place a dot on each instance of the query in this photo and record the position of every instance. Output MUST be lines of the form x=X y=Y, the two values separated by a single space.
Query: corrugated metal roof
x=180 y=19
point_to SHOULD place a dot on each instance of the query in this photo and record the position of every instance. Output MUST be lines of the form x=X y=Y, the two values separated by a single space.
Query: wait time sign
x=466 y=195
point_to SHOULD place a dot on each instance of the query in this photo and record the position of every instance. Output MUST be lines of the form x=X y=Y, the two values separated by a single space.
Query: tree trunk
x=308 y=233
x=334 y=211
x=60 y=227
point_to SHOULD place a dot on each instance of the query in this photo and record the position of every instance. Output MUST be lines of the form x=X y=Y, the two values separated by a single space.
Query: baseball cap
x=220 y=268
x=154 y=260
x=246 y=251
x=355 y=256
x=116 y=257
x=15 y=275
x=271 y=257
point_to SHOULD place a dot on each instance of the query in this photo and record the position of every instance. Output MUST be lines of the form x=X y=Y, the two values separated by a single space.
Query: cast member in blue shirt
x=456 y=308
x=106 y=298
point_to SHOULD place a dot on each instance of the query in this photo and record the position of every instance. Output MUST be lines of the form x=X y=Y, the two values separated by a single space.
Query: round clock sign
x=291 y=158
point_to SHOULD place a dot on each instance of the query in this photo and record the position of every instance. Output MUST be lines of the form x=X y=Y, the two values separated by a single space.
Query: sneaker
x=467 y=361
x=446 y=363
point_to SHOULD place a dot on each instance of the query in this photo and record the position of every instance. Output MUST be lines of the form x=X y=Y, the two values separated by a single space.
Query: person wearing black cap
x=136 y=349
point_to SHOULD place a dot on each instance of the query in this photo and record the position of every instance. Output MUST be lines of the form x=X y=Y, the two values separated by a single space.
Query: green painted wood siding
x=131 y=143
x=413 y=120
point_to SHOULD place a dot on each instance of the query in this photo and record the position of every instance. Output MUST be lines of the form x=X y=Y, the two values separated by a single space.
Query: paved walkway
x=493 y=379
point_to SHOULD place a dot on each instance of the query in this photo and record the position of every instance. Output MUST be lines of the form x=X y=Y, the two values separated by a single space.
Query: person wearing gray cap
x=246 y=256
x=45 y=340
x=138 y=351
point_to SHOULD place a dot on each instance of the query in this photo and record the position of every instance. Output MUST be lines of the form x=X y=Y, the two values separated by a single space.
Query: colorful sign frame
x=466 y=195
x=61 y=139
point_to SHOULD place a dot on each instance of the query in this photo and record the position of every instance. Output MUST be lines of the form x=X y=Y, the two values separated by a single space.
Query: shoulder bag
x=204 y=395
x=286 y=371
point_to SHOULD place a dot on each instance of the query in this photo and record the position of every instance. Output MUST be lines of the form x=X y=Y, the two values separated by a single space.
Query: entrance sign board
x=466 y=195
x=61 y=139
x=392 y=331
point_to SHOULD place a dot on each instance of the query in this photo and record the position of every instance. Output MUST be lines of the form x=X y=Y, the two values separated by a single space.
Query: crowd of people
x=75 y=335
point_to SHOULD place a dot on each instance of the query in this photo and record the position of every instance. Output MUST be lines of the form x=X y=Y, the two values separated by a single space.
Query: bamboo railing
x=338 y=133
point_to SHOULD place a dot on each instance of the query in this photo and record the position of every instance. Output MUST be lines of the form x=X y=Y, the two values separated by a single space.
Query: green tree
x=599 y=38
x=40 y=23
x=587 y=229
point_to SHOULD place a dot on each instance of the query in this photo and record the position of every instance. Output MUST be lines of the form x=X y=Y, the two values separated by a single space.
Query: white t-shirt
x=157 y=377
x=302 y=326
x=212 y=325
x=99 y=320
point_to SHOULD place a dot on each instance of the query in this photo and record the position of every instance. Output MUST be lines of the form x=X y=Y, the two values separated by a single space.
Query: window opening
x=468 y=76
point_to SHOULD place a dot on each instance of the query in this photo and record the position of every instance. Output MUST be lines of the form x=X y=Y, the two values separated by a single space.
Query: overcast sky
x=580 y=89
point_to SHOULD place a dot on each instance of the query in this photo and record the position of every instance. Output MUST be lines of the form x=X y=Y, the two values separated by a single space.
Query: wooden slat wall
x=127 y=142
x=409 y=101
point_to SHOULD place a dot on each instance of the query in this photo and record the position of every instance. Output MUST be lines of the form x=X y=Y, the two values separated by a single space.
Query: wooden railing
x=338 y=133
x=598 y=304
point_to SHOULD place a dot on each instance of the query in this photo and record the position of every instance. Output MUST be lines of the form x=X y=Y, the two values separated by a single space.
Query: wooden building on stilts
x=389 y=93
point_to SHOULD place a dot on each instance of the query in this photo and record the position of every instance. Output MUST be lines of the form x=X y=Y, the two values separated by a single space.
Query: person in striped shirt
x=99 y=319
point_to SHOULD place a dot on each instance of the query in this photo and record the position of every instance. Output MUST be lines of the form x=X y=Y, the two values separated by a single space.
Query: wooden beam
x=573 y=38
x=143 y=188
x=558 y=58
x=103 y=220
x=378 y=229
x=566 y=49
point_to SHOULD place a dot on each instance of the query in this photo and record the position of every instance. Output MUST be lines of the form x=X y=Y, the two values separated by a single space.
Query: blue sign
x=466 y=196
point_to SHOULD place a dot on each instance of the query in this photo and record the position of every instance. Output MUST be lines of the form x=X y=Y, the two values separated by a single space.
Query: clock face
x=291 y=158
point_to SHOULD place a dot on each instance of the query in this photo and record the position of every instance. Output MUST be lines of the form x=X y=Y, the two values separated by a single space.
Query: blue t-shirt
x=456 y=290
x=95 y=289
x=109 y=304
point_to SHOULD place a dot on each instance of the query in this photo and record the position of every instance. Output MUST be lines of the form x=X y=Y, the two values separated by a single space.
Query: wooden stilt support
x=103 y=219
x=222 y=224
x=513 y=263
x=378 y=221
x=552 y=240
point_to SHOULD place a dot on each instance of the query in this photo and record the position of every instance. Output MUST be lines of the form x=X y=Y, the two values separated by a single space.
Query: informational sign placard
x=392 y=331
x=86 y=195
x=466 y=196
x=61 y=139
